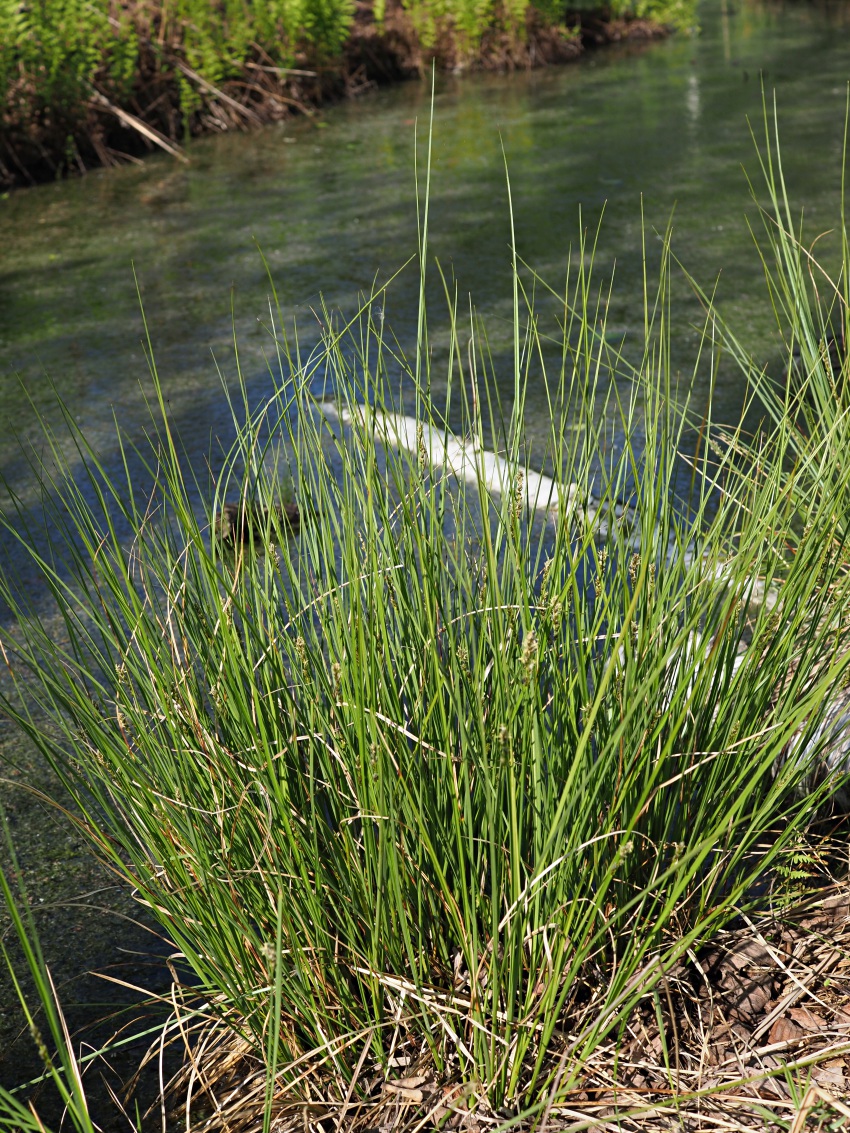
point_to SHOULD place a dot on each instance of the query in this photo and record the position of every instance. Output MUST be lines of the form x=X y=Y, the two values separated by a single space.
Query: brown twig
x=219 y=94
x=136 y=124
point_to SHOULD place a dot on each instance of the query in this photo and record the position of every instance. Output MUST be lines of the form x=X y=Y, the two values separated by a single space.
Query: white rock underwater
x=826 y=752
x=465 y=460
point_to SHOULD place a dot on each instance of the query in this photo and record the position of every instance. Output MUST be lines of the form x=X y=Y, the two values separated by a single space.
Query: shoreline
x=108 y=132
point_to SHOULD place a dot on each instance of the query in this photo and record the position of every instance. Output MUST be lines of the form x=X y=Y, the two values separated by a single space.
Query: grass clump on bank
x=87 y=82
x=439 y=795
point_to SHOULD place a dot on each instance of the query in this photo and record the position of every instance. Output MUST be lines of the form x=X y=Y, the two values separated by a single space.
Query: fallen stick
x=466 y=460
x=139 y=126
x=282 y=70
x=219 y=94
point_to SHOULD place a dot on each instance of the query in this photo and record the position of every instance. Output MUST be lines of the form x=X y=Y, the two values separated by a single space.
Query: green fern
x=800 y=863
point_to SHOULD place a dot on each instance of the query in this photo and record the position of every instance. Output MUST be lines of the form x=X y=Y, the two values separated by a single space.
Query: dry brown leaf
x=410 y=1083
x=751 y=999
x=838 y=906
x=809 y=1020
x=783 y=1031
x=409 y=1095
x=830 y=1075
x=718 y=1054
x=748 y=954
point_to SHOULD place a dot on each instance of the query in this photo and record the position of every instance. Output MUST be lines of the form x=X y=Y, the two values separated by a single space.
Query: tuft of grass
x=808 y=407
x=433 y=794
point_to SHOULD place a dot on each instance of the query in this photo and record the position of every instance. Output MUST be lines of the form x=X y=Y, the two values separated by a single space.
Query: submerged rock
x=243 y=522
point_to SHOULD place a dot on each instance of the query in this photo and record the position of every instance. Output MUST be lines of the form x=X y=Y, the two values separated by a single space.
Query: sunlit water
x=331 y=203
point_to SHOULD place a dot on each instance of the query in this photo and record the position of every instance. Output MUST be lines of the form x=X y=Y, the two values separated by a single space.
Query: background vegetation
x=87 y=80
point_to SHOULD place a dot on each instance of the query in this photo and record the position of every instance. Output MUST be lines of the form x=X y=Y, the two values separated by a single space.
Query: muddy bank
x=45 y=142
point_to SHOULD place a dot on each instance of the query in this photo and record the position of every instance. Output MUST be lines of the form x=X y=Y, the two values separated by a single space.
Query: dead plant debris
x=751 y=1032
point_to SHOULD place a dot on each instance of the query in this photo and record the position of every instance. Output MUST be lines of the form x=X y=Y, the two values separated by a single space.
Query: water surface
x=331 y=203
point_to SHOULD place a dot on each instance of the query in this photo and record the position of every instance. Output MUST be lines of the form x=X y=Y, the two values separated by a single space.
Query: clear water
x=331 y=202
